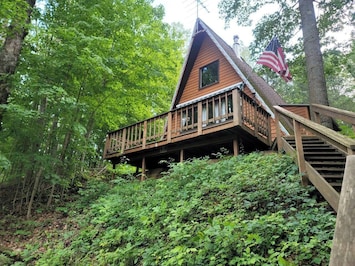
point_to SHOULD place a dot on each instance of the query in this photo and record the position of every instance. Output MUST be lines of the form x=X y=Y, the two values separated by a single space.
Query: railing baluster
x=170 y=120
x=123 y=147
x=199 y=118
x=145 y=126
x=236 y=107
x=255 y=119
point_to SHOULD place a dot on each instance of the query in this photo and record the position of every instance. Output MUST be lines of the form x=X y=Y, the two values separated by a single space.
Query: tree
x=13 y=31
x=314 y=60
x=285 y=22
x=87 y=67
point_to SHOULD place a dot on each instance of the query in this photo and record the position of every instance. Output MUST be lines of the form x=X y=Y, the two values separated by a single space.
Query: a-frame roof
x=264 y=92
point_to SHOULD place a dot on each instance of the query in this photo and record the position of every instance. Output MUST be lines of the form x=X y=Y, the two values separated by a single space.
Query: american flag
x=274 y=58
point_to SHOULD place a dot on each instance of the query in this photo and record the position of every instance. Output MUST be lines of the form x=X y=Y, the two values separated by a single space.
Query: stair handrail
x=344 y=115
x=344 y=143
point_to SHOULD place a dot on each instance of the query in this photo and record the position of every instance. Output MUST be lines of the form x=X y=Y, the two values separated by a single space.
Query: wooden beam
x=343 y=249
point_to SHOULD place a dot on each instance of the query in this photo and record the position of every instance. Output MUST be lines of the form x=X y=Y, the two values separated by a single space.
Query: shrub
x=245 y=210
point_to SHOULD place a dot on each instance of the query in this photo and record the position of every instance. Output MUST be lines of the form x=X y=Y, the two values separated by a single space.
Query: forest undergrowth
x=244 y=210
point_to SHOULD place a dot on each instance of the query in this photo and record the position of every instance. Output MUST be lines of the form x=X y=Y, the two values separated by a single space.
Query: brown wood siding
x=273 y=129
x=298 y=110
x=208 y=54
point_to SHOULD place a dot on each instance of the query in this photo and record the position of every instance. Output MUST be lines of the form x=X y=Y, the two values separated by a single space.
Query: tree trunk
x=314 y=60
x=34 y=191
x=10 y=54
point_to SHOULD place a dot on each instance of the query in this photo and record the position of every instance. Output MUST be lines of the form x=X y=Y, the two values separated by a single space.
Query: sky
x=185 y=12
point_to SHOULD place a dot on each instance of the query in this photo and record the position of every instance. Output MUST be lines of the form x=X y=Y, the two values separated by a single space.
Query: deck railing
x=232 y=107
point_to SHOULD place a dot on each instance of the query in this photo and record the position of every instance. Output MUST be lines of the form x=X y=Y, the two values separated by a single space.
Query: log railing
x=232 y=107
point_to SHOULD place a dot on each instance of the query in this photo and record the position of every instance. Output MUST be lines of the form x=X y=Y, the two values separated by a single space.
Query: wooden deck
x=229 y=119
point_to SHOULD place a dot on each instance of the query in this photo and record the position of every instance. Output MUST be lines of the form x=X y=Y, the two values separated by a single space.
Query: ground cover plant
x=244 y=210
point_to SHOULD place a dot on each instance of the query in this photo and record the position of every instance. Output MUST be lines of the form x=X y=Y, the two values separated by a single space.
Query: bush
x=245 y=210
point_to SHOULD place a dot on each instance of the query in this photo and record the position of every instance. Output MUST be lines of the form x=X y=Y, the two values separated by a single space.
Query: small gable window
x=209 y=74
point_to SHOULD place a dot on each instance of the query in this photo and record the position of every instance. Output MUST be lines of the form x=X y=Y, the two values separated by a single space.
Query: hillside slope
x=245 y=210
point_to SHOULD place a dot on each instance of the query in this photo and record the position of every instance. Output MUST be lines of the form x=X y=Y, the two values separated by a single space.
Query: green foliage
x=86 y=68
x=282 y=18
x=245 y=210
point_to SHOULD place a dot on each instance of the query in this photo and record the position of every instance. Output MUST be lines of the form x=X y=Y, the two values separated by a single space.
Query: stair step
x=326 y=148
x=320 y=153
x=307 y=142
x=312 y=145
x=333 y=176
x=331 y=163
x=338 y=158
x=329 y=169
x=335 y=184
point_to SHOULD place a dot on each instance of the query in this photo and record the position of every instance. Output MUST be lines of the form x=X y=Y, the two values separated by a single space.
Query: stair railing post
x=300 y=153
x=278 y=131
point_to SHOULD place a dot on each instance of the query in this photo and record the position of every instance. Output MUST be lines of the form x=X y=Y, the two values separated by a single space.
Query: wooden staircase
x=326 y=159
x=320 y=152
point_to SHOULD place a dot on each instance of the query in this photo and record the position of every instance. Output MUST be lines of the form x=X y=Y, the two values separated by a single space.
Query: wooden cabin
x=219 y=102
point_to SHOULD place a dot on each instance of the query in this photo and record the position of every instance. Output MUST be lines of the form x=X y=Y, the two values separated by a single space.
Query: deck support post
x=182 y=155
x=143 y=169
x=300 y=153
x=343 y=249
x=235 y=147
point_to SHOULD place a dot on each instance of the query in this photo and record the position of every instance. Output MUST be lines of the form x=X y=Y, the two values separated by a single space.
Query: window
x=209 y=74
